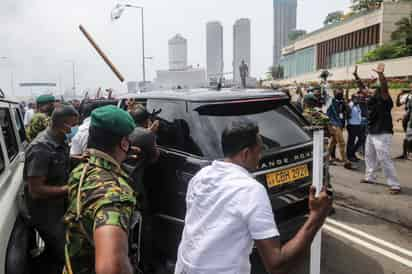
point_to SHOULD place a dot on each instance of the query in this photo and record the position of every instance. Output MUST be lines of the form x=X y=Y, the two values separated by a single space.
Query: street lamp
x=116 y=14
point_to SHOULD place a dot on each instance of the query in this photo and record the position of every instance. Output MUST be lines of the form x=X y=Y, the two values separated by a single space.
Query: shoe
x=347 y=165
x=368 y=182
x=401 y=157
x=354 y=159
x=394 y=190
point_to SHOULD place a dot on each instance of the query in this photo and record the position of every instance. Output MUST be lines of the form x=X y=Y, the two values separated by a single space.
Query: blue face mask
x=72 y=133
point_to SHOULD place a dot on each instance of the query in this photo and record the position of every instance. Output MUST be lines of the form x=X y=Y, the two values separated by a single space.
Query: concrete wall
x=400 y=67
x=392 y=13
x=341 y=29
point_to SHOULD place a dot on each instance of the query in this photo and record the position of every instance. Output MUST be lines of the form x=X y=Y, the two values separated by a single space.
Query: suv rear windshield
x=279 y=125
x=197 y=128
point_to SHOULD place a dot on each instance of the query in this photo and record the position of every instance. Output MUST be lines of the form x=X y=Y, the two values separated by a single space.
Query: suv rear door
x=11 y=173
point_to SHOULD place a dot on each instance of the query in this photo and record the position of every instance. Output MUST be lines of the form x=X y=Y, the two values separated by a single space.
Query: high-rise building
x=177 y=53
x=241 y=46
x=214 y=49
x=284 y=21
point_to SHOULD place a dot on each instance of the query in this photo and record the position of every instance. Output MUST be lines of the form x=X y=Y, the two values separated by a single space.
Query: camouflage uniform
x=315 y=117
x=106 y=198
x=39 y=122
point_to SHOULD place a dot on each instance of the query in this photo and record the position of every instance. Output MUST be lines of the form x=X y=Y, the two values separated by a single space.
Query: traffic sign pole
x=318 y=145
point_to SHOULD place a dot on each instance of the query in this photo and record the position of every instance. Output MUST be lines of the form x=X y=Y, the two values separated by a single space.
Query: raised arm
x=358 y=80
x=384 y=90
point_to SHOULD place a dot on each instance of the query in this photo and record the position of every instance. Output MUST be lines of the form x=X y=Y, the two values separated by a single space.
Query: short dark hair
x=140 y=115
x=60 y=115
x=102 y=139
x=238 y=136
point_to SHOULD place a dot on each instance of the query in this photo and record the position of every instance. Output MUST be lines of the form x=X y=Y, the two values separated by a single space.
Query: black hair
x=140 y=115
x=103 y=139
x=60 y=115
x=238 y=136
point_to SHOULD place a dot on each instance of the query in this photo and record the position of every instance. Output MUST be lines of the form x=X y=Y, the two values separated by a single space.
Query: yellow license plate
x=287 y=176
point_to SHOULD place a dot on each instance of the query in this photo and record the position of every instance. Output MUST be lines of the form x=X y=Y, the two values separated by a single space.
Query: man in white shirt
x=28 y=115
x=228 y=211
x=79 y=141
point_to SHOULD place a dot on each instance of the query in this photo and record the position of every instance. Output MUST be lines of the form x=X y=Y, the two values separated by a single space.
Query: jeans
x=356 y=139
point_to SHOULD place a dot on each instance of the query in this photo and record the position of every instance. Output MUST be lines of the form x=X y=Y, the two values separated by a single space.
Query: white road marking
x=370 y=237
x=367 y=245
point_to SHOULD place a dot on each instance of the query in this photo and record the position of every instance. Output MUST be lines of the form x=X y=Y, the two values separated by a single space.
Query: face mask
x=72 y=133
x=339 y=96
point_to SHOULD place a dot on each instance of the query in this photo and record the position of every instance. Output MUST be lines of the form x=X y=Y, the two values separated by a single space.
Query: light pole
x=116 y=14
x=74 y=76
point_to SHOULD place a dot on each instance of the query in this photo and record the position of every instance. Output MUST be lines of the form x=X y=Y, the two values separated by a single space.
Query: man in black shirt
x=46 y=170
x=380 y=131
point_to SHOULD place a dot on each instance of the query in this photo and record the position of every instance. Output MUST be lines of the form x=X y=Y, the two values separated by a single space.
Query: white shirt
x=28 y=116
x=79 y=141
x=226 y=210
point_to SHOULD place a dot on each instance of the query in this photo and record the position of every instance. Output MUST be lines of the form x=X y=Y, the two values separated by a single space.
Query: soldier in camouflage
x=40 y=120
x=101 y=199
x=312 y=114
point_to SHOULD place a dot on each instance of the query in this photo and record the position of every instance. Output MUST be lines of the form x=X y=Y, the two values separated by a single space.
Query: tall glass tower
x=284 y=21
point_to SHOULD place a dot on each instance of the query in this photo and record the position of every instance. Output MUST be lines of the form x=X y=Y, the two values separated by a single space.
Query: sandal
x=368 y=182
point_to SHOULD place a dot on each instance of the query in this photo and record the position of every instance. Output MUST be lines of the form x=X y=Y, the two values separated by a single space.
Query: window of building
x=8 y=133
x=20 y=125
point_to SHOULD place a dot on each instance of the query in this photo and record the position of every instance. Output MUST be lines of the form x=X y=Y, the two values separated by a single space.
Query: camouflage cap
x=113 y=119
x=46 y=98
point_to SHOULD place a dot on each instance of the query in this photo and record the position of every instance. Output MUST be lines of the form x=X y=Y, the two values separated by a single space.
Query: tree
x=295 y=34
x=403 y=33
x=276 y=72
x=333 y=17
x=366 y=5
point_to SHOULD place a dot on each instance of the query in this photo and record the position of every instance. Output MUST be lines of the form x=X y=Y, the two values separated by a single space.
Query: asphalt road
x=354 y=243
x=371 y=232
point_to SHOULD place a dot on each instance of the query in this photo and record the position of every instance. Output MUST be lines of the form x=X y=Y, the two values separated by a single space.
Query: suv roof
x=206 y=95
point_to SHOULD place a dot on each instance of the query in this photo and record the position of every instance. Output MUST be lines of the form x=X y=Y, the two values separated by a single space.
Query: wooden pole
x=101 y=53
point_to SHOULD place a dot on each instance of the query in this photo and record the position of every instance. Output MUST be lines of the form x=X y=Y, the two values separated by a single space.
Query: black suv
x=189 y=137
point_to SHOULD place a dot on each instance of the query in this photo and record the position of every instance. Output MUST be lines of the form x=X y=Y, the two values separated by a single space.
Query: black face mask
x=339 y=96
x=50 y=110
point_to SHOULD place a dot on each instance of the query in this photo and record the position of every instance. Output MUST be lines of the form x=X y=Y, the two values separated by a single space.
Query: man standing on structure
x=244 y=73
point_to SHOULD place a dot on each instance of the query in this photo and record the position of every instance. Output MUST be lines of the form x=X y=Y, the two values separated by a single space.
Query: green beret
x=44 y=99
x=310 y=98
x=113 y=119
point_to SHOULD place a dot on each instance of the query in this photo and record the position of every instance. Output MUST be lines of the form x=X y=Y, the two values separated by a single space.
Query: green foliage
x=295 y=34
x=388 y=51
x=403 y=33
x=366 y=5
x=334 y=17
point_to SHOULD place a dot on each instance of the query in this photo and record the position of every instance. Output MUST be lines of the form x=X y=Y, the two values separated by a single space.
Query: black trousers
x=356 y=139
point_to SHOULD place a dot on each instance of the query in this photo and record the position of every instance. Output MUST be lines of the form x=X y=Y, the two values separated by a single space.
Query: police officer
x=101 y=198
x=40 y=120
x=314 y=116
x=46 y=170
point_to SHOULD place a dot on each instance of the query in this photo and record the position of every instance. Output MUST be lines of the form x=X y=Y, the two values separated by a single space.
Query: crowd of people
x=82 y=193
x=367 y=117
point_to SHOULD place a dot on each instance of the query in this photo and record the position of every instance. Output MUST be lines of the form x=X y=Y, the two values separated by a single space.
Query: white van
x=13 y=231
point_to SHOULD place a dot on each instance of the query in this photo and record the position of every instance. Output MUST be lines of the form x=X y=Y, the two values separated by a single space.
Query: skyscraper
x=214 y=49
x=284 y=21
x=241 y=46
x=177 y=53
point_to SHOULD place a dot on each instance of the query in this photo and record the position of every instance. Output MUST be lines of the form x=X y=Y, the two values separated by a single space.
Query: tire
x=17 y=260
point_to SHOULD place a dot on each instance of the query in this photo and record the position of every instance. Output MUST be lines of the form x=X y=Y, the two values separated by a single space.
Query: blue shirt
x=356 y=114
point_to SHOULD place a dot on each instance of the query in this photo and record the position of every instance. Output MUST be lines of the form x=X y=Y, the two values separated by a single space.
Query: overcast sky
x=40 y=36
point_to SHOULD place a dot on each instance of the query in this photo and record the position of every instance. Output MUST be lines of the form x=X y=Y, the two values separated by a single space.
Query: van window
x=20 y=125
x=8 y=133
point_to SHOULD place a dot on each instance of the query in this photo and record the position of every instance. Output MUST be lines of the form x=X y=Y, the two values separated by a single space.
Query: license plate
x=287 y=176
